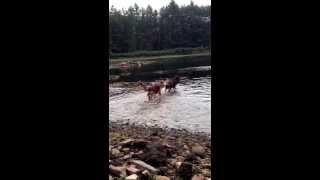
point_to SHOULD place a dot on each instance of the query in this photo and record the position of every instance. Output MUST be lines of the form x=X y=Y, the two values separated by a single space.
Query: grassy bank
x=142 y=54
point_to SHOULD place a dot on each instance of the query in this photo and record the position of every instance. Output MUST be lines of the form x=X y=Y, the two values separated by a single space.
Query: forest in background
x=145 y=29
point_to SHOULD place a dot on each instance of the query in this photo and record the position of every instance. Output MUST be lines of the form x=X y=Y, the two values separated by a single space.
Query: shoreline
x=155 y=58
x=164 y=153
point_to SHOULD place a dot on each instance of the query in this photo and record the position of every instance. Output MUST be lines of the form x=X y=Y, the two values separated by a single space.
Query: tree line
x=146 y=29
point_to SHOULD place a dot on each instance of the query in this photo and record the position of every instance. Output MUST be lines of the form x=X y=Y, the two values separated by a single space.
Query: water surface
x=187 y=108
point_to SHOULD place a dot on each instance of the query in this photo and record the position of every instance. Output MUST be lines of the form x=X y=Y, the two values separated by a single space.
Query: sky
x=155 y=4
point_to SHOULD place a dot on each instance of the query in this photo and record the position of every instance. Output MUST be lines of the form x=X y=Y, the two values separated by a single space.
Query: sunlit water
x=187 y=108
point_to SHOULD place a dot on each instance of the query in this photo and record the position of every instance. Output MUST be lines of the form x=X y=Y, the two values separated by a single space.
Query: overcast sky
x=155 y=4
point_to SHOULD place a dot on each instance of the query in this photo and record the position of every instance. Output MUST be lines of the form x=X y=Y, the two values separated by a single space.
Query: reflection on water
x=189 y=107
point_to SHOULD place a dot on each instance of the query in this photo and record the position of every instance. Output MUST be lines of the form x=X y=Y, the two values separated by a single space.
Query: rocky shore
x=142 y=153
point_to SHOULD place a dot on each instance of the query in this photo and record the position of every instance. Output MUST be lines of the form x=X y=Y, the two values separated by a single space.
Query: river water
x=189 y=107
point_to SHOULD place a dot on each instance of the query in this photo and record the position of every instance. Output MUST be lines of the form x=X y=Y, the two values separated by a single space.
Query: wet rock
x=198 y=150
x=132 y=177
x=162 y=178
x=198 y=177
x=145 y=165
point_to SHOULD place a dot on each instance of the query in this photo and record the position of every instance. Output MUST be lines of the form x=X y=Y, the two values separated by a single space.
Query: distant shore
x=159 y=53
x=154 y=58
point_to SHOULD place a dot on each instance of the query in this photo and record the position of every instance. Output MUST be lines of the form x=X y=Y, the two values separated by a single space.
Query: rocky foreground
x=140 y=153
